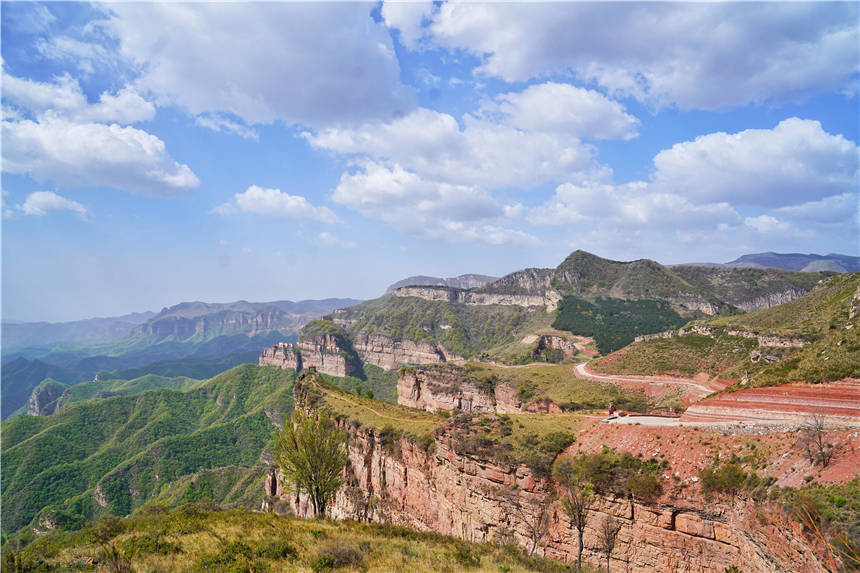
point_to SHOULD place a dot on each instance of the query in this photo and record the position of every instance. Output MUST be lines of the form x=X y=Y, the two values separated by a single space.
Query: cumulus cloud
x=93 y=154
x=42 y=202
x=276 y=203
x=326 y=239
x=794 y=162
x=663 y=53
x=833 y=209
x=64 y=98
x=311 y=64
x=482 y=152
x=408 y=18
x=766 y=224
x=563 y=108
x=633 y=205
x=425 y=208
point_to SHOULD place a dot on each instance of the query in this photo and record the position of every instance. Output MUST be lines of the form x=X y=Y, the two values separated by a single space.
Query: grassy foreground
x=200 y=537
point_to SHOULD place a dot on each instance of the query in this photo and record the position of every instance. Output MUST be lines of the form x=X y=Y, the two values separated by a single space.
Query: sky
x=159 y=153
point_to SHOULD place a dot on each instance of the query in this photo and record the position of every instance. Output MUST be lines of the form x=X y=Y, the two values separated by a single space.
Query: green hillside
x=825 y=320
x=114 y=455
x=201 y=537
x=467 y=330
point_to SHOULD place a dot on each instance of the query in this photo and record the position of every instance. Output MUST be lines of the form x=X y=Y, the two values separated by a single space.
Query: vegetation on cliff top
x=537 y=383
x=614 y=323
x=466 y=330
x=201 y=537
x=822 y=318
x=114 y=455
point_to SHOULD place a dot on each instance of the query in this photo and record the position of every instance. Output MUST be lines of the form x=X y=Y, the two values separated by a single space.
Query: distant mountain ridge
x=190 y=339
x=792 y=262
x=467 y=281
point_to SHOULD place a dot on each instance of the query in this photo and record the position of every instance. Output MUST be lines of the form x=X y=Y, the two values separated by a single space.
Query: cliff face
x=283 y=355
x=323 y=351
x=454 y=494
x=43 y=400
x=434 y=389
x=390 y=354
x=548 y=298
x=770 y=299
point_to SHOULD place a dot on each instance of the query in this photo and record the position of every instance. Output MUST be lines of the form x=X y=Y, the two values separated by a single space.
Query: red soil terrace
x=835 y=401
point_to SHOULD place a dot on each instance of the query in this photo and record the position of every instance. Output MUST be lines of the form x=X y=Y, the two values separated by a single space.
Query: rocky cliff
x=43 y=399
x=449 y=388
x=548 y=298
x=389 y=354
x=436 y=488
x=283 y=355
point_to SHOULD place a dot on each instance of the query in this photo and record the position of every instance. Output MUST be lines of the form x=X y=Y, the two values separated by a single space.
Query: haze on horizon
x=154 y=154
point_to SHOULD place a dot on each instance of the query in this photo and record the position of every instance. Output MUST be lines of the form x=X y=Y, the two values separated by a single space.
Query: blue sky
x=158 y=153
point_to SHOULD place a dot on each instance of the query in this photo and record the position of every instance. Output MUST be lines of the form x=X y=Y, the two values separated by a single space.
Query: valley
x=461 y=406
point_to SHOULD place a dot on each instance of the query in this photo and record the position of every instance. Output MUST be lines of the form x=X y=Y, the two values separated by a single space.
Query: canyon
x=440 y=487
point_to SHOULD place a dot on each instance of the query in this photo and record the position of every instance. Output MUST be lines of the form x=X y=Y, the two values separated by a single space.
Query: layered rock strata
x=548 y=298
x=437 y=388
x=389 y=354
x=441 y=490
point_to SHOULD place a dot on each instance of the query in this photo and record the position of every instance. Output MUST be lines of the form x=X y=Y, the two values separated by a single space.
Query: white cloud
x=482 y=153
x=767 y=224
x=694 y=55
x=84 y=55
x=563 y=108
x=794 y=162
x=326 y=239
x=276 y=203
x=834 y=209
x=220 y=123
x=93 y=154
x=407 y=18
x=64 y=98
x=42 y=202
x=425 y=208
x=313 y=64
x=631 y=205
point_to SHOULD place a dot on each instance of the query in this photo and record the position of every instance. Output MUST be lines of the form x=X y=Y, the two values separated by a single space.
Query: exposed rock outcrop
x=770 y=340
x=450 y=388
x=390 y=354
x=44 y=398
x=324 y=351
x=283 y=355
x=441 y=490
x=770 y=299
x=548 y=299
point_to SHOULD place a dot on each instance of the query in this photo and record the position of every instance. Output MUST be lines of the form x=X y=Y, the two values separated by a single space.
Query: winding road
x=700 y=390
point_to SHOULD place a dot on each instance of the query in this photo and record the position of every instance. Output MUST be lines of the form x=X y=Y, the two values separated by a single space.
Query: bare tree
x=813 y=440
x=535 y=511
x=607 y=536
x=577 y=495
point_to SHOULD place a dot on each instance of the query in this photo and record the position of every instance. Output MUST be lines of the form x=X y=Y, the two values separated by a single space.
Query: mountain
x=813 y=338
x=115 y=454
x=194 y=339
x=513 y=318
x=21 y=335
x=793 y=262
x=463 y=281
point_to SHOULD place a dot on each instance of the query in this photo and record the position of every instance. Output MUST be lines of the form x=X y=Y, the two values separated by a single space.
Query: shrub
x=465 y=557
x=335 y=556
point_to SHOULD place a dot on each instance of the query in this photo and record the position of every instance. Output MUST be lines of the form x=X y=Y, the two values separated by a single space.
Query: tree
x=535 y=513
x=607 y=536
x=813 y=440
x=577 y=495
x=311 y=454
